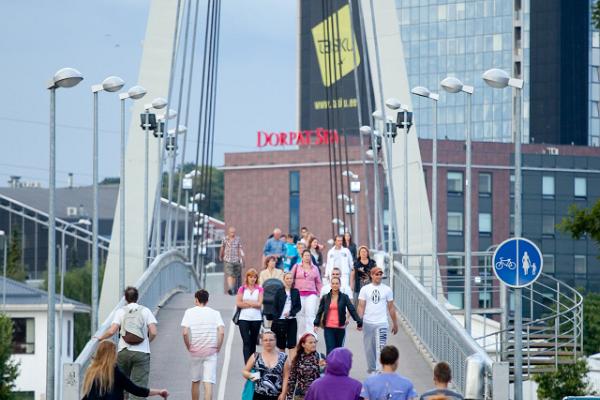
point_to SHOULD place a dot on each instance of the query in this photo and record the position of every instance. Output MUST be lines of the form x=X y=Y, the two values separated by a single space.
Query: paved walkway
x=170 y=363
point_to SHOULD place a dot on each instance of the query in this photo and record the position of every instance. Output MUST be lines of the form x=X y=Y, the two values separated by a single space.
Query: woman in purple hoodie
x=336 y=384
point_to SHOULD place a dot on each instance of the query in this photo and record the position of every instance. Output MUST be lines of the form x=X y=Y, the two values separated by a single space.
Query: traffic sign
x=517 y=262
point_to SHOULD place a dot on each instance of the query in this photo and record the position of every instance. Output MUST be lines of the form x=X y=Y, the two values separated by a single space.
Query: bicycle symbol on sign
x=505 y=263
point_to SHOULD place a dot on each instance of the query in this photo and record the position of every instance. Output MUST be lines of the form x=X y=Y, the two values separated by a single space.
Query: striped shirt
x=232 y=250
x=202 y=324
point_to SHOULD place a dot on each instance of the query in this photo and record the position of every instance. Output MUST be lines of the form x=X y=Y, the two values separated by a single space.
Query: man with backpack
x=137 y=328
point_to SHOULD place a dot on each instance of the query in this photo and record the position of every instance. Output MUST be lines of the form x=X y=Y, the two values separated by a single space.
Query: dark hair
x=338 y=236
x=202 y=296
x=336 y=278
x=290 y=236
x=306 y=251
x=303 y=228
x=442 y=372
x=131 y=294
x=269 y=258
x=389 y=355
x=346 y=244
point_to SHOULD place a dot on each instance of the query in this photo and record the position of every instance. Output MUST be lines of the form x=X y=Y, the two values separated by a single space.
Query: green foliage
x=9 y=369
x=216 y=187
x=582 y=221
x=14 y=267
x=596 y=14
x=567 y=380
x=111 y=180
x=591 y=323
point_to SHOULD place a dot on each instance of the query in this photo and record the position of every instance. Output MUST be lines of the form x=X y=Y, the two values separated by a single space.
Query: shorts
x=232 y=269
x=204 y=369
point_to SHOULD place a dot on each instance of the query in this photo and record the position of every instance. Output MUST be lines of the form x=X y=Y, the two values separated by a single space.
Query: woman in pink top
x=307 y=279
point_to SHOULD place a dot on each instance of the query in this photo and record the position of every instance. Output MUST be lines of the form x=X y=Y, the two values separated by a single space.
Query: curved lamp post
x=422 y=91
x=63 y=78
x=454 y=85
x=172 y=155
x=110 y=84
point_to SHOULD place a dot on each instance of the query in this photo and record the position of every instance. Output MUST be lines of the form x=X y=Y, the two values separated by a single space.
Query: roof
x=18 y=293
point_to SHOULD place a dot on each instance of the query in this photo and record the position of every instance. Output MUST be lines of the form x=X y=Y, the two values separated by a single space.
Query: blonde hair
x=102 y=369
x=251 y=272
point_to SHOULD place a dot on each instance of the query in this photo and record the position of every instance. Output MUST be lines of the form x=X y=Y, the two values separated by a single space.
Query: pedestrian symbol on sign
x=517 y=262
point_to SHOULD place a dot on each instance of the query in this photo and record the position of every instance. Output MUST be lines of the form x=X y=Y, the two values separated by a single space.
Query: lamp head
x=365 y=130
x=136 y=92
x=496 y=78
x=394 y=104
x=159 y=103
x=112 y=84
x=378 y=114
x=67 y=77
x=180 y=129
x=421 y=91
x=451 y=84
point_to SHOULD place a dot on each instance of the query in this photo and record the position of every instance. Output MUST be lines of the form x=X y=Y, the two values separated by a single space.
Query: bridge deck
x=170 y=363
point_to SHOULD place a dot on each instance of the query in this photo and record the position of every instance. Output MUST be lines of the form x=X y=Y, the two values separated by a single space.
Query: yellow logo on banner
x=334 y=43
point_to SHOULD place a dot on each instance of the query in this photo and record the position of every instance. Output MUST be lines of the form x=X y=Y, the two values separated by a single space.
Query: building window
x=485 y=223
x=580 y=265
x=512 y=186
x=580 y=188
x=511 y=224
x=596 y=109
x=548 y=225
x=294 y=201
x=548 y=186
x=455 y=223
x=549 y=263
x=23 y=336
x=485 y=299
x=455 y=182
x=485 y=184
x=456 y=299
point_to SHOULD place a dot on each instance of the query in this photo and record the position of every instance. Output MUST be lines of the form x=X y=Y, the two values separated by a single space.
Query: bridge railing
x=168 y=274
x=444 y=338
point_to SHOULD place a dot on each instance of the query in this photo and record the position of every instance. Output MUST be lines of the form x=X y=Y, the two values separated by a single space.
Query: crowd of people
x=306 y=292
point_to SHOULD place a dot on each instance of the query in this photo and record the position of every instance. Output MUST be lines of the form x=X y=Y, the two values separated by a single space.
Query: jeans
x=136 y=366
x=334 y=338
x=249 y=331
x=374 y=339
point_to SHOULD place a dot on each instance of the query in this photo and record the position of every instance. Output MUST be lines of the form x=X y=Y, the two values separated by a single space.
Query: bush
x=9 y=369
x=567 y=380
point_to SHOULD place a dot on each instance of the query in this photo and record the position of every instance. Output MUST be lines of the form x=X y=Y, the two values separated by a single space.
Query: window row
x=579 y=264
x=455 y=223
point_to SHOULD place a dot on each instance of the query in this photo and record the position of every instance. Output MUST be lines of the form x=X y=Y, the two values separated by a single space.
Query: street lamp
x=372 y=153
x=172 y=156
x=134 y=93
x=500 y=79
x=340 y=225
x=64 y=78
x=157 y=104
x=424 y=92
x=110 y=84
x=454 y=85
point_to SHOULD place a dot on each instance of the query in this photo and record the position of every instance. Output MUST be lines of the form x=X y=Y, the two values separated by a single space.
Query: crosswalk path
x=170 y=365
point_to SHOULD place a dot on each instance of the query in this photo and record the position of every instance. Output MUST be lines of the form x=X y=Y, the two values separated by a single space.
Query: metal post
x=63 y=270
x=158 y=204
x=122 y=204
x=58 y=358
x=171 y=157
x=468 y=186
x=5 y=258
x=391 y=209
x=146 y=156
x=95 y=265
x=186 y=224
x=356 y=230
x=518 y=292
x=50 y=356
x=405 y=143
x=434 y=206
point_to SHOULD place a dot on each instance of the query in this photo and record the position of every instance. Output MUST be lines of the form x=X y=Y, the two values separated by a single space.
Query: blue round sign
x=517 y=262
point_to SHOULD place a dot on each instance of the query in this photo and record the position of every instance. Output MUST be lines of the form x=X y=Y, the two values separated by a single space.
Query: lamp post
x=500 y=79
x=172 y=156
x=158 y=103
x=4 y=241
x=454 y=85
x=134 y=93
x=65 y=78
x=354 y=188
x=339 y=224
x=195 y=200
x=424 y=92
x=110 y=84
x=373 y=154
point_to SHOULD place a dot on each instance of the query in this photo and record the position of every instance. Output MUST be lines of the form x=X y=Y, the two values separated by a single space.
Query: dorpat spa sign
x=318 y=136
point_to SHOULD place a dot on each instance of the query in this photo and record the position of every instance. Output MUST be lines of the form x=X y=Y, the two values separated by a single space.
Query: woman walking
x=104 y=380
x=350 y=245
x=307 y=279
x=305 y=368
x=286 y=305
x=315 y=252
x=249 y=299
x=270 y=272
x=271 y=370
x=361 y=273
x=332 y=316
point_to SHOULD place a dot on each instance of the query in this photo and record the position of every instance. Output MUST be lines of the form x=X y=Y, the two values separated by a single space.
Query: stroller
x=270 y=286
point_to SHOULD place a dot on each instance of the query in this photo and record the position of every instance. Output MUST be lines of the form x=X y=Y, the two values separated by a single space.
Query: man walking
x=137 y=328
x=203 y=332
x=388 y=384
x=339 y=256
x=232 y=255
x=442 y=375
x=375 y=302
x=274 y=246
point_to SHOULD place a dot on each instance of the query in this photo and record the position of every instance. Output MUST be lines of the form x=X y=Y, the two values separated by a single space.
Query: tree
x=591 y=324
x=14 y=267
x=596 y=14
x=582 y=221
x=9 y=369
x=567 y=380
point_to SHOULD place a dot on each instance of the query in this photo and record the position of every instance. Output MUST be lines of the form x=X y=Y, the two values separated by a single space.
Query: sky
x=256 y=83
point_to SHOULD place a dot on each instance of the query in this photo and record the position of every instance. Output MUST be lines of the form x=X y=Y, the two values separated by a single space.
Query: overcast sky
x=256 y=86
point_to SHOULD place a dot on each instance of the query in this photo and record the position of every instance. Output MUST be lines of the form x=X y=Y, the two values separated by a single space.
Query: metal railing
x=444 y=338
x=168 y=274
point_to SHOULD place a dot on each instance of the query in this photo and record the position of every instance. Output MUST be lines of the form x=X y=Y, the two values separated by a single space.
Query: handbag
x=236 y=316
x=248 y=391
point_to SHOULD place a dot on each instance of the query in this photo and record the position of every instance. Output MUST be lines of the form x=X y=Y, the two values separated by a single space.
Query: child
x=291 y=253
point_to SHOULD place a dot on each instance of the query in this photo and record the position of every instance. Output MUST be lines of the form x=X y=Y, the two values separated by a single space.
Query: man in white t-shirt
x=375 y=302
x=336 y=273
x=133 y=359
x=339 y=256
x=203 y=332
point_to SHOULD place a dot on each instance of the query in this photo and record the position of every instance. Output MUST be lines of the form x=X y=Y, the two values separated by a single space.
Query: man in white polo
x=203 y=333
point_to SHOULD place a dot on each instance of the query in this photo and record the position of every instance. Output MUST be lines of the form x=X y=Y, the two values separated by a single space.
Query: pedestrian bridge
x=429 y=333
